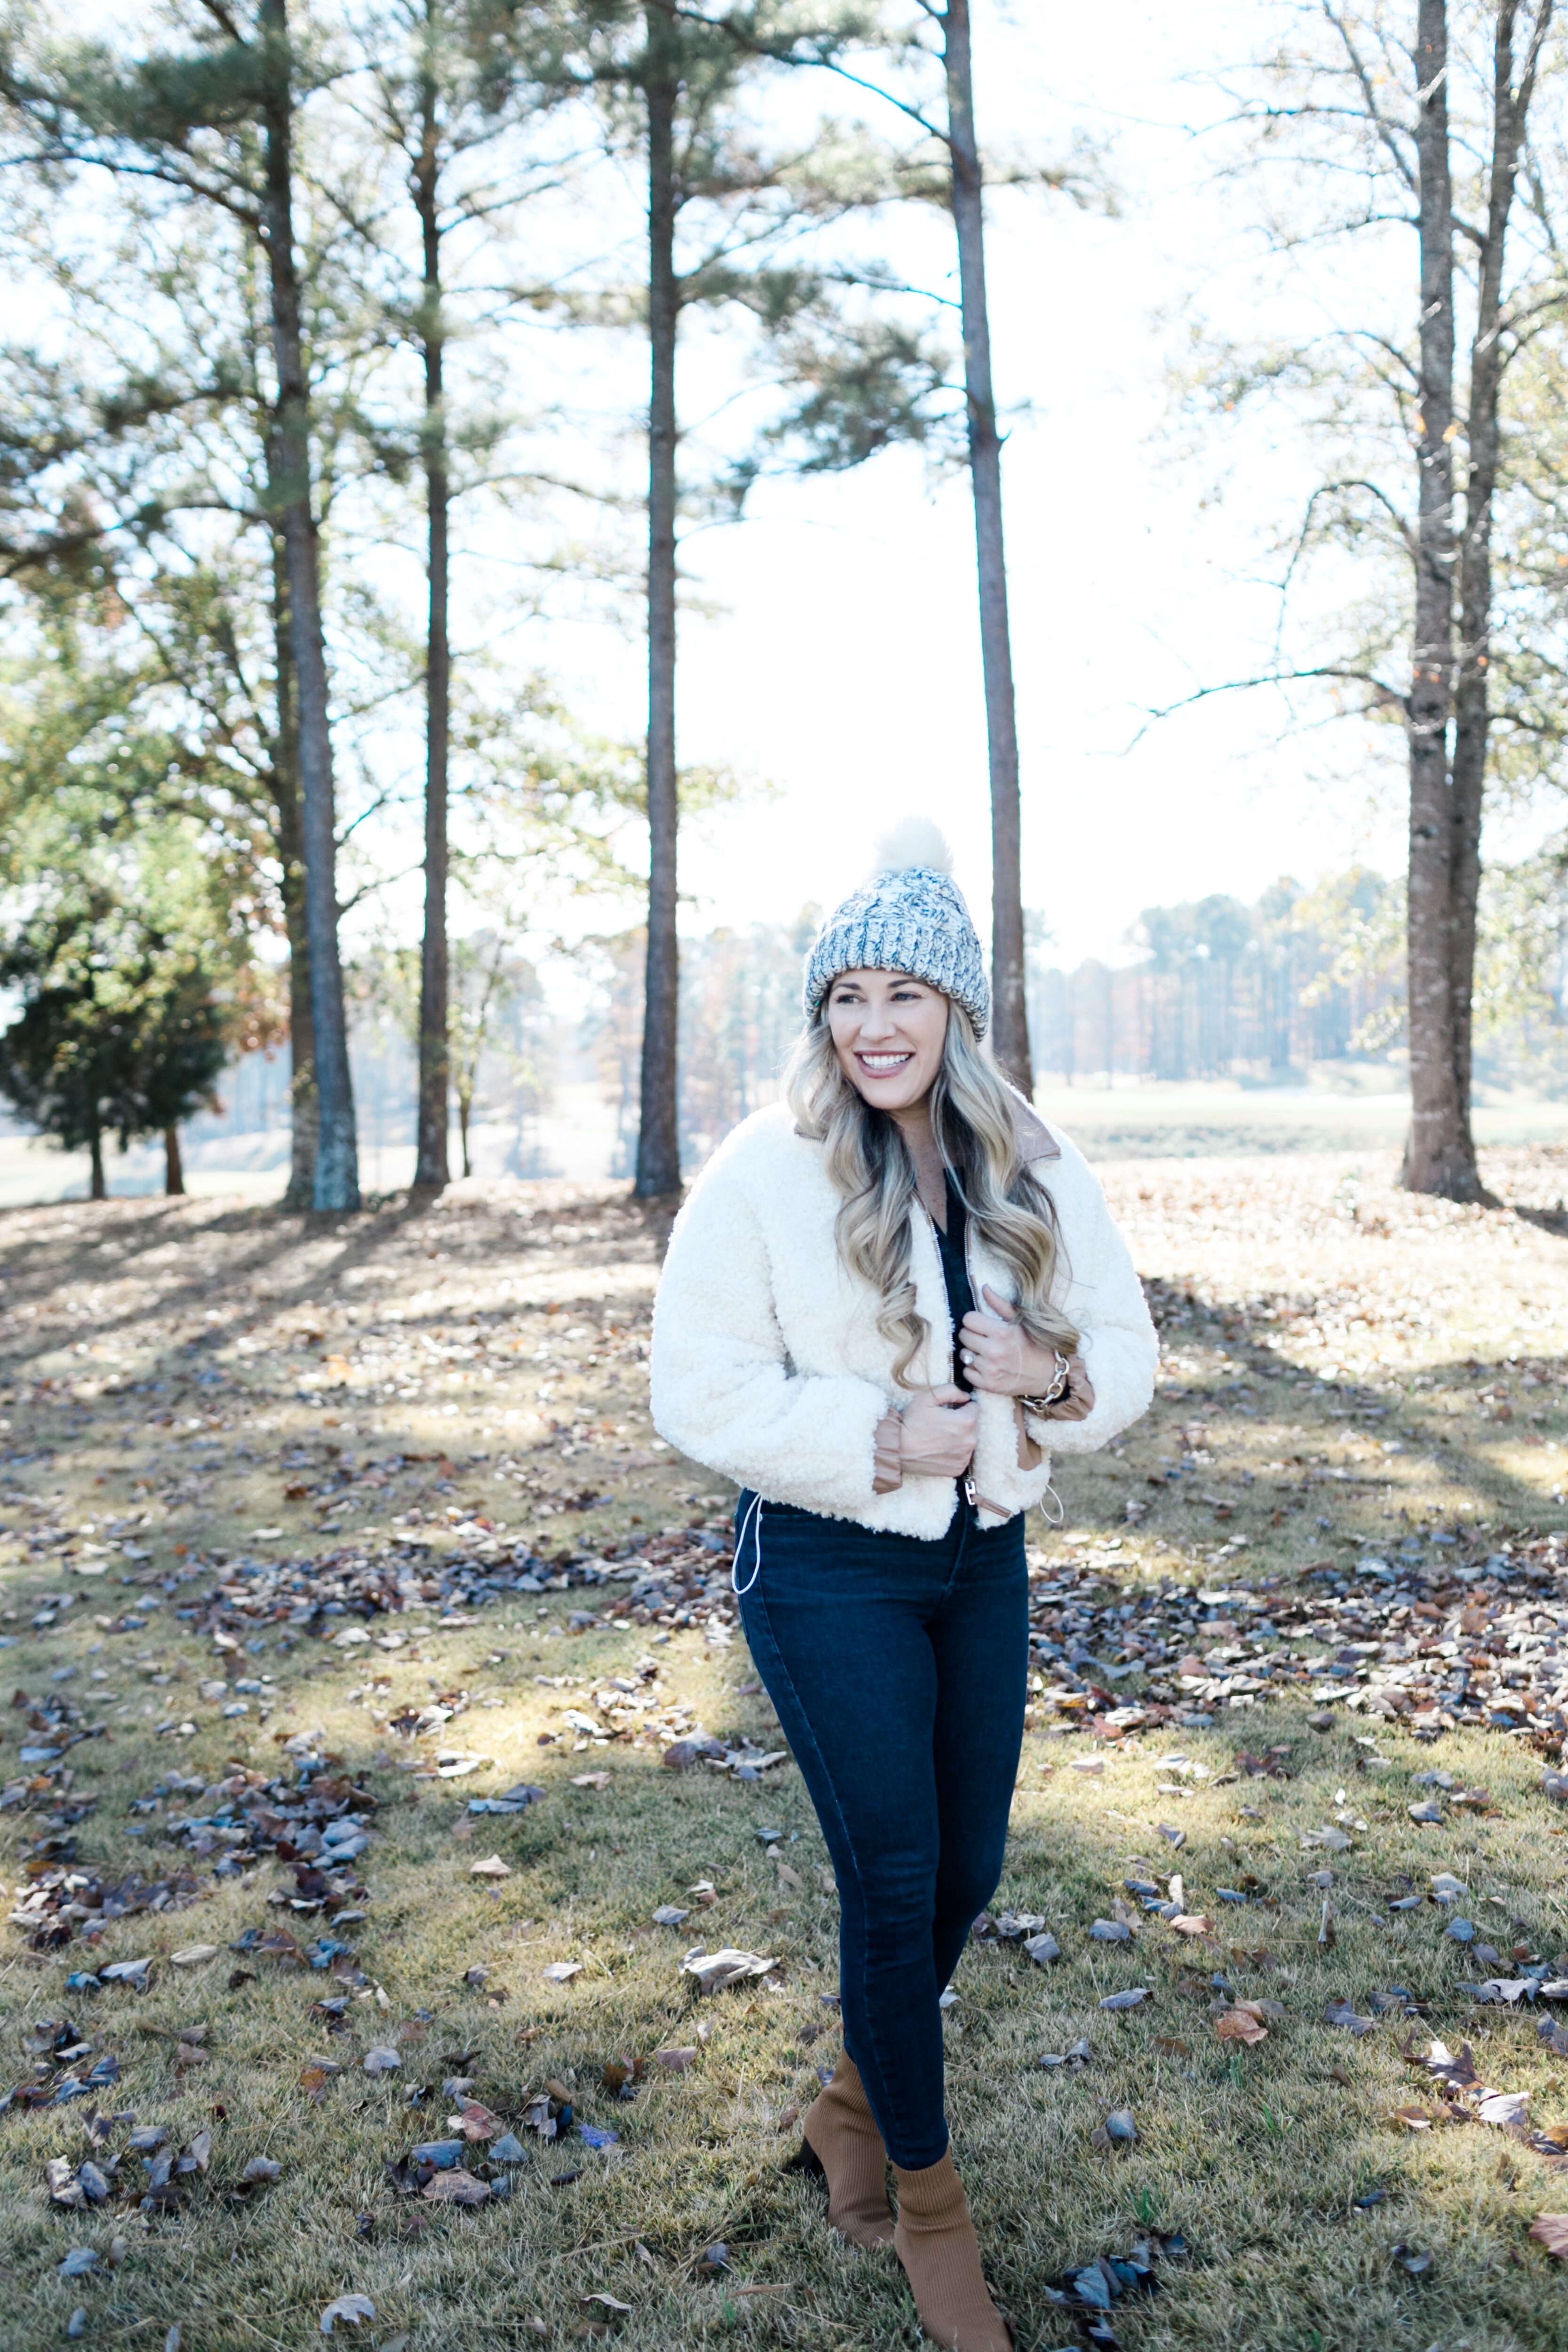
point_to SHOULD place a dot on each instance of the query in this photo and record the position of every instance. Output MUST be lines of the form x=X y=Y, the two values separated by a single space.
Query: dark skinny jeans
x=898 y=1668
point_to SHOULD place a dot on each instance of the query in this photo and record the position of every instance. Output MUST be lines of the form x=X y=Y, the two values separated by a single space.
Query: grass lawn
x=345 y=1525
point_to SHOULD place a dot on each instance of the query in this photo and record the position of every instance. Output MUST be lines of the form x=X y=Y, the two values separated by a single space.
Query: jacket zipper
x=967 y=1486
x=971 y=1493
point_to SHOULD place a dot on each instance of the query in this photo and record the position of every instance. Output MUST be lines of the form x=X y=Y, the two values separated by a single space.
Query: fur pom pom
x=913 y=841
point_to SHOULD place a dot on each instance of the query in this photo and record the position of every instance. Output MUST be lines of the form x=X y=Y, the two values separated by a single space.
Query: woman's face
x=888 y=1032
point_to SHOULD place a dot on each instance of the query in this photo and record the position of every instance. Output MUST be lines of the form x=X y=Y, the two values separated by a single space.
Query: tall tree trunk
x=1010 y=1011
x=659 y=1138
x=464 y=1109
x=1510 y=109
x=336 y=1182
x=96 y=1189
x=290 y=835
x=430 y=1169
x=1439 y=1154
x=174 y=1168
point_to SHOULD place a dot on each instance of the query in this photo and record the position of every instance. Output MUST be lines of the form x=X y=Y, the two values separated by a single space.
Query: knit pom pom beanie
x=909 y=916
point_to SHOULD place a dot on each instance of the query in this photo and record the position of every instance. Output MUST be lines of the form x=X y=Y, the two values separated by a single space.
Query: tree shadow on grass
x=265 y=1241
x=1459 y=1478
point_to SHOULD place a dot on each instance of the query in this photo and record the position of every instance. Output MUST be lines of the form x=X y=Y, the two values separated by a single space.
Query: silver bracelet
x=1040 y=1405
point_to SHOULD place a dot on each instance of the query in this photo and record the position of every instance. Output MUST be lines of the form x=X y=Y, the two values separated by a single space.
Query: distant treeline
x=1221 y=989
x=1211 y=989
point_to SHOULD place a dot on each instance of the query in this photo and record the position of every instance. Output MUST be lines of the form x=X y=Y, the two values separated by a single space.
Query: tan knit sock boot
x=841 y=2132
x=936 y=2243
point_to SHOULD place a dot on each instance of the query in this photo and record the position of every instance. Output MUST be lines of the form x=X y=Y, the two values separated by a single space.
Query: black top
x=955 y=1274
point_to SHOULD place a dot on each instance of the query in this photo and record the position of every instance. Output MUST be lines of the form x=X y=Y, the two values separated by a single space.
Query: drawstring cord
x=752 y=1514
x=1055 y=1498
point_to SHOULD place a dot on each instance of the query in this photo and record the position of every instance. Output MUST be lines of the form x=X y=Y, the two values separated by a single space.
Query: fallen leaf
x=455 y=2188
x=64 y=2187
x=1458 y=2071
x=262 y=2168
x=590 y=1780
x=678 y=2061
x=314 y=2080
x=1078 y=2055
x=1170 y=2045
x=1042 y=1949
x=493 y=1866
x=1503 y=1991
x=1128 y=2000
x=1118 y=2130
x=1550 y=2229
x=713 y=1971
x=1192 y=1923
x=1413 y=2118
x=476 y=2121
x=562 y=1971
x=382 y=2059
x=688 y=1752
x=131 y=1972
x=1341 y=2012
x=352 y=2308
x=1238 y=2025
x=609 y=2302
x=193 y=1956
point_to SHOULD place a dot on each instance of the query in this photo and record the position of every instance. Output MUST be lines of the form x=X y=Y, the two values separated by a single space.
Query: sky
x=829 y=653
x=837 y=657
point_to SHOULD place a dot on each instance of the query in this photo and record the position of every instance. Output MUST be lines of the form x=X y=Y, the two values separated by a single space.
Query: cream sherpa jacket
x=768 y=1365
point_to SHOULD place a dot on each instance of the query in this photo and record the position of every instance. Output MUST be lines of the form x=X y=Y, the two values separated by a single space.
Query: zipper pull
x=969 y=1492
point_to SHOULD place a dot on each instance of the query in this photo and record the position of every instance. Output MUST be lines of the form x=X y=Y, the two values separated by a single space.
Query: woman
x=805 y=1345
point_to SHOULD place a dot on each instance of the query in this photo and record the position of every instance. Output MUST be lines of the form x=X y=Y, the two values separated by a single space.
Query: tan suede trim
x=1034 y=1139
x=887 y=1454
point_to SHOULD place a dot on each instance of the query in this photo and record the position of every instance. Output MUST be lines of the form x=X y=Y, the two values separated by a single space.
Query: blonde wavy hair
x=972 y=1118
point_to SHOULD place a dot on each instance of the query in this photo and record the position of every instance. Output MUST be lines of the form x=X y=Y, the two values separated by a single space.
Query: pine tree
x=215 y=119
x=454 y=87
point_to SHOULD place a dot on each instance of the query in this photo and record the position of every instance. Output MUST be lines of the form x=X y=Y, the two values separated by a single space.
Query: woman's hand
x=1000 y=1357
x=938 y=1435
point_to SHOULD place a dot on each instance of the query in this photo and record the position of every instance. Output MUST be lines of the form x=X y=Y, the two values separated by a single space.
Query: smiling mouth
x=883 y=1065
